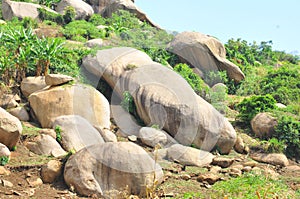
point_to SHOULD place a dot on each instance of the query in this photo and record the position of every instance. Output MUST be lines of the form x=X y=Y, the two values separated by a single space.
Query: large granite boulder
x=107 y=7
x=10 y=129
x=82 y=9
x=114 y=166
x=263 y=125
x=76 y=132
x=31 y=84
x=21 y=10
x=77 y=99
x=205 y=53
x=161 y=97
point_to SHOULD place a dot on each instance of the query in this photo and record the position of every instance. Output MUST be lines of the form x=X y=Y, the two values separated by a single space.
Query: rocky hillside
x=97 y=101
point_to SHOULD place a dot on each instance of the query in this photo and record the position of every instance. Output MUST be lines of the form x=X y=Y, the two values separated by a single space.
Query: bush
x=193 y=79
x=249 y=107
x=283 y=84
x=288 y=131
x=82 y=30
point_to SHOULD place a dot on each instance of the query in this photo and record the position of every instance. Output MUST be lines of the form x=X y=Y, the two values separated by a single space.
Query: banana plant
x=46 y=50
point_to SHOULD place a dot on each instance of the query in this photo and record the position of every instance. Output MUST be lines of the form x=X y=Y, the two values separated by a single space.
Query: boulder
x=4 y=151
x=76 y=132
x=152 y=137
x=82 y=9
x=276 y=159
x=107 y=7
x=50 y=132
x=10 y=129
x=94 y=43
x=205 y=53
x=57 y=79
x=107 y=135
x=77 y=99
x=21 y=10
x=46 y=145
x=30 y=85
x=184 y=115
x=210 y=178
x=189 y=156
x=239 y=145
x=20 y=113
x=222 y=162
x=51 y=171
x=111 y=166
x=263 y=125
x=9 y=101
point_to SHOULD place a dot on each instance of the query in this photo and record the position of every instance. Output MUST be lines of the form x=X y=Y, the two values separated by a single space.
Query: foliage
x=4 y=160
x=49 y=3
x=283 y=84
x=69 y=14
x=128 y=103
x=275 y=146
x=193 y=79
x=218 y=96
x=51 y=16
x=252 y=186
x=249 y=107
x=81 y=30
x=244 y=53
x=288 y=131
x=58 y=132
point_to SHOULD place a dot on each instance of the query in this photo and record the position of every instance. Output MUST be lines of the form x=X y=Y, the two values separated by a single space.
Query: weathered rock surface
x=32 y=84
x=272 y=158
x=76 y=132
x=107 y=7
x=183 y=114
x=239 y=145
x=107 y=135
x=189 y=156
x=210 y=178
x=10 y=129
x=57 y=79
x=75 y=99
x=20 y=113
x=46 y=145
x=153 y=137
x=222 y=162
x=21 y=10
x=94 y=43
x=9 y=101
x=82 y=9
x=205 y=53
x=51 y=171
x=111 y=166
x=263 y=125
x=4 y=151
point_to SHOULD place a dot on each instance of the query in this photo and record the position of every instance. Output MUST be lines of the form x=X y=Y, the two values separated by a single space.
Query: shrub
x=82 y=30
x=128 y=103
x=58 y=132
x=193 y=79
x=275 y=146
x=283 y=84
x=249 y=107
x=4 y=160
x=288 y=131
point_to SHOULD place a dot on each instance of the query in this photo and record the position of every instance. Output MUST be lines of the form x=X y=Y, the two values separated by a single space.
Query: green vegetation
x=251 y=186
x=128 y=103
x=4 y=160
x=249 y=107
x=58 y=132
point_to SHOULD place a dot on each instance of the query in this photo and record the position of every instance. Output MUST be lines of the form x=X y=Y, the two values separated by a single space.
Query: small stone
x=51 y=171
x=57 y=79
x=20 y=112
x=239 y=145
x=209 y=178
x=247 y=169
x=185 y=177
x=215 y=169
x=250 y=164
x=234 y=172
x=132 y=138
x=271 y=173
x=222 y=162
x=50 y=132
x=4 y=151
x=35 y=182
x=6 y=183
x=4 y=171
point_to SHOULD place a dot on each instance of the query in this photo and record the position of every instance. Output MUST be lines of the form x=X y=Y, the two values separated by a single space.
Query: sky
x=255 y=20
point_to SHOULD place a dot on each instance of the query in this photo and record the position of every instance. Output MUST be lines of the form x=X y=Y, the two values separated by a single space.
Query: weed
x=4 y=160
x=58 y=132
